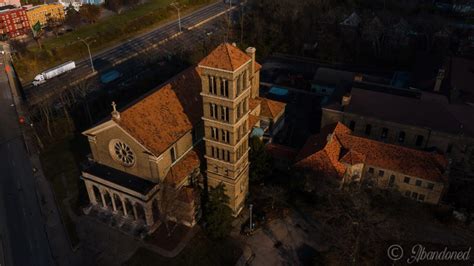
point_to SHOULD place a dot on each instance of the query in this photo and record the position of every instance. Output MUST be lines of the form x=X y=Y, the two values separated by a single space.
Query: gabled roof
x=270 y=108
x=188 y=195
x=253 y=120
x=353 y=157
x=183 y=168
x=225 y=57
x=333 y=151
x=162 y=117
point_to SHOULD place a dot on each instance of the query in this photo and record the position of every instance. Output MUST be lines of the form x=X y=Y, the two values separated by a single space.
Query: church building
x=149 y=159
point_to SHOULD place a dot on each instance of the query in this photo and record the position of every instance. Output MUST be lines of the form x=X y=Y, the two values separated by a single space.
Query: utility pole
x=178 y=8
x=89 y=50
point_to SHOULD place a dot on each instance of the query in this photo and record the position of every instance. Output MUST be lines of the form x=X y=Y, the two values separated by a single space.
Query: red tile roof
x=226 y=57
x=253 y=120
x=328 y=153
x=253 y=103
x=187 y=194
x=183 y=168
x=270 y=108
x=162 y=117
x=353 y=157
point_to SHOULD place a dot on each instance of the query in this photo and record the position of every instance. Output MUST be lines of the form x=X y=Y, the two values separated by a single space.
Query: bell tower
x=226 y=89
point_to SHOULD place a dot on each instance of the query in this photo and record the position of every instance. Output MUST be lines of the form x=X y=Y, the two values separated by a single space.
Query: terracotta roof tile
x=162 y=117
x=183 y=168
x=270 y=108
x=353 y=157
x=187 y=194
x=253 y=103
x=253 y=120
x=320 y=164
x=340 y=146
x=226 y=57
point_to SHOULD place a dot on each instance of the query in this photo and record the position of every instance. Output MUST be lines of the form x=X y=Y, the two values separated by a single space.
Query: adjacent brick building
x=44 y=13
x=425 y=122
x=337 y=153
x=13 y=22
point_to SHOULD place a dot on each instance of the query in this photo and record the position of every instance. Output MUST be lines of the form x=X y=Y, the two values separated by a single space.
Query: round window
x=122 y=152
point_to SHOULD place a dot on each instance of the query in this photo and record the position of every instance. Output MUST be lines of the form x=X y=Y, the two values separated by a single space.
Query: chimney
x=251 y=52
x=439 y=80
x=115 y=114
x=346 y=99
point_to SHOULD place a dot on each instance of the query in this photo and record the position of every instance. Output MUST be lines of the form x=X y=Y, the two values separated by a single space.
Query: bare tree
x=54 y=25
x=168 y=206
x=45 y=108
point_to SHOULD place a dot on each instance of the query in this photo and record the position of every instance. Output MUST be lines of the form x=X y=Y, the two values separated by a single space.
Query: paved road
x=22 y=232
x=129 y=49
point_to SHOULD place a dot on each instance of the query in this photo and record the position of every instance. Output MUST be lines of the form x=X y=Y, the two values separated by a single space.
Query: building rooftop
x=162 y=117
x=120 y=178
x=335 y=148
x=253 y=120
x=270 y=108
x=183 y=168
x=333 y=77
x=226 y=57
x=430 y=110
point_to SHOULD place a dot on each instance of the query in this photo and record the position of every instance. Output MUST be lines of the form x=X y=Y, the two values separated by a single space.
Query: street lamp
x=178 y=8
x=250 y=209
x=89 y=50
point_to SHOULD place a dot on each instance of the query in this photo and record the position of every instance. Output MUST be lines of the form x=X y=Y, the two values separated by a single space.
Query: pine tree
x=261 y=165
x=219 y=215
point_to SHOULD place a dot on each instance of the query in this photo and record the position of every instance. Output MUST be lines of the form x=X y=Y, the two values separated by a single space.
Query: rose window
x=122 y=153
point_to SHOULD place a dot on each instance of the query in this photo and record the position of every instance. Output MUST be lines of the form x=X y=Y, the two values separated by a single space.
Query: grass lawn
x=199 y=251
x=105 y=33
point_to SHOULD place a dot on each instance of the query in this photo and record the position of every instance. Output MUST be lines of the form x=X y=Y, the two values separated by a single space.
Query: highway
x=22 y=235
x=128 y=50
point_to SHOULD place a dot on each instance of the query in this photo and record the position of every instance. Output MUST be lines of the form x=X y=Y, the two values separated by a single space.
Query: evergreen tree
x=261 y=165
x=219 y=215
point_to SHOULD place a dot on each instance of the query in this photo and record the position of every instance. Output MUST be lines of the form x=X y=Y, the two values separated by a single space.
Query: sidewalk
x=53 y=226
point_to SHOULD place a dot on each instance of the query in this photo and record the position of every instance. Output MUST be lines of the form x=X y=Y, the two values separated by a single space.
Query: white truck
x=53 y=72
